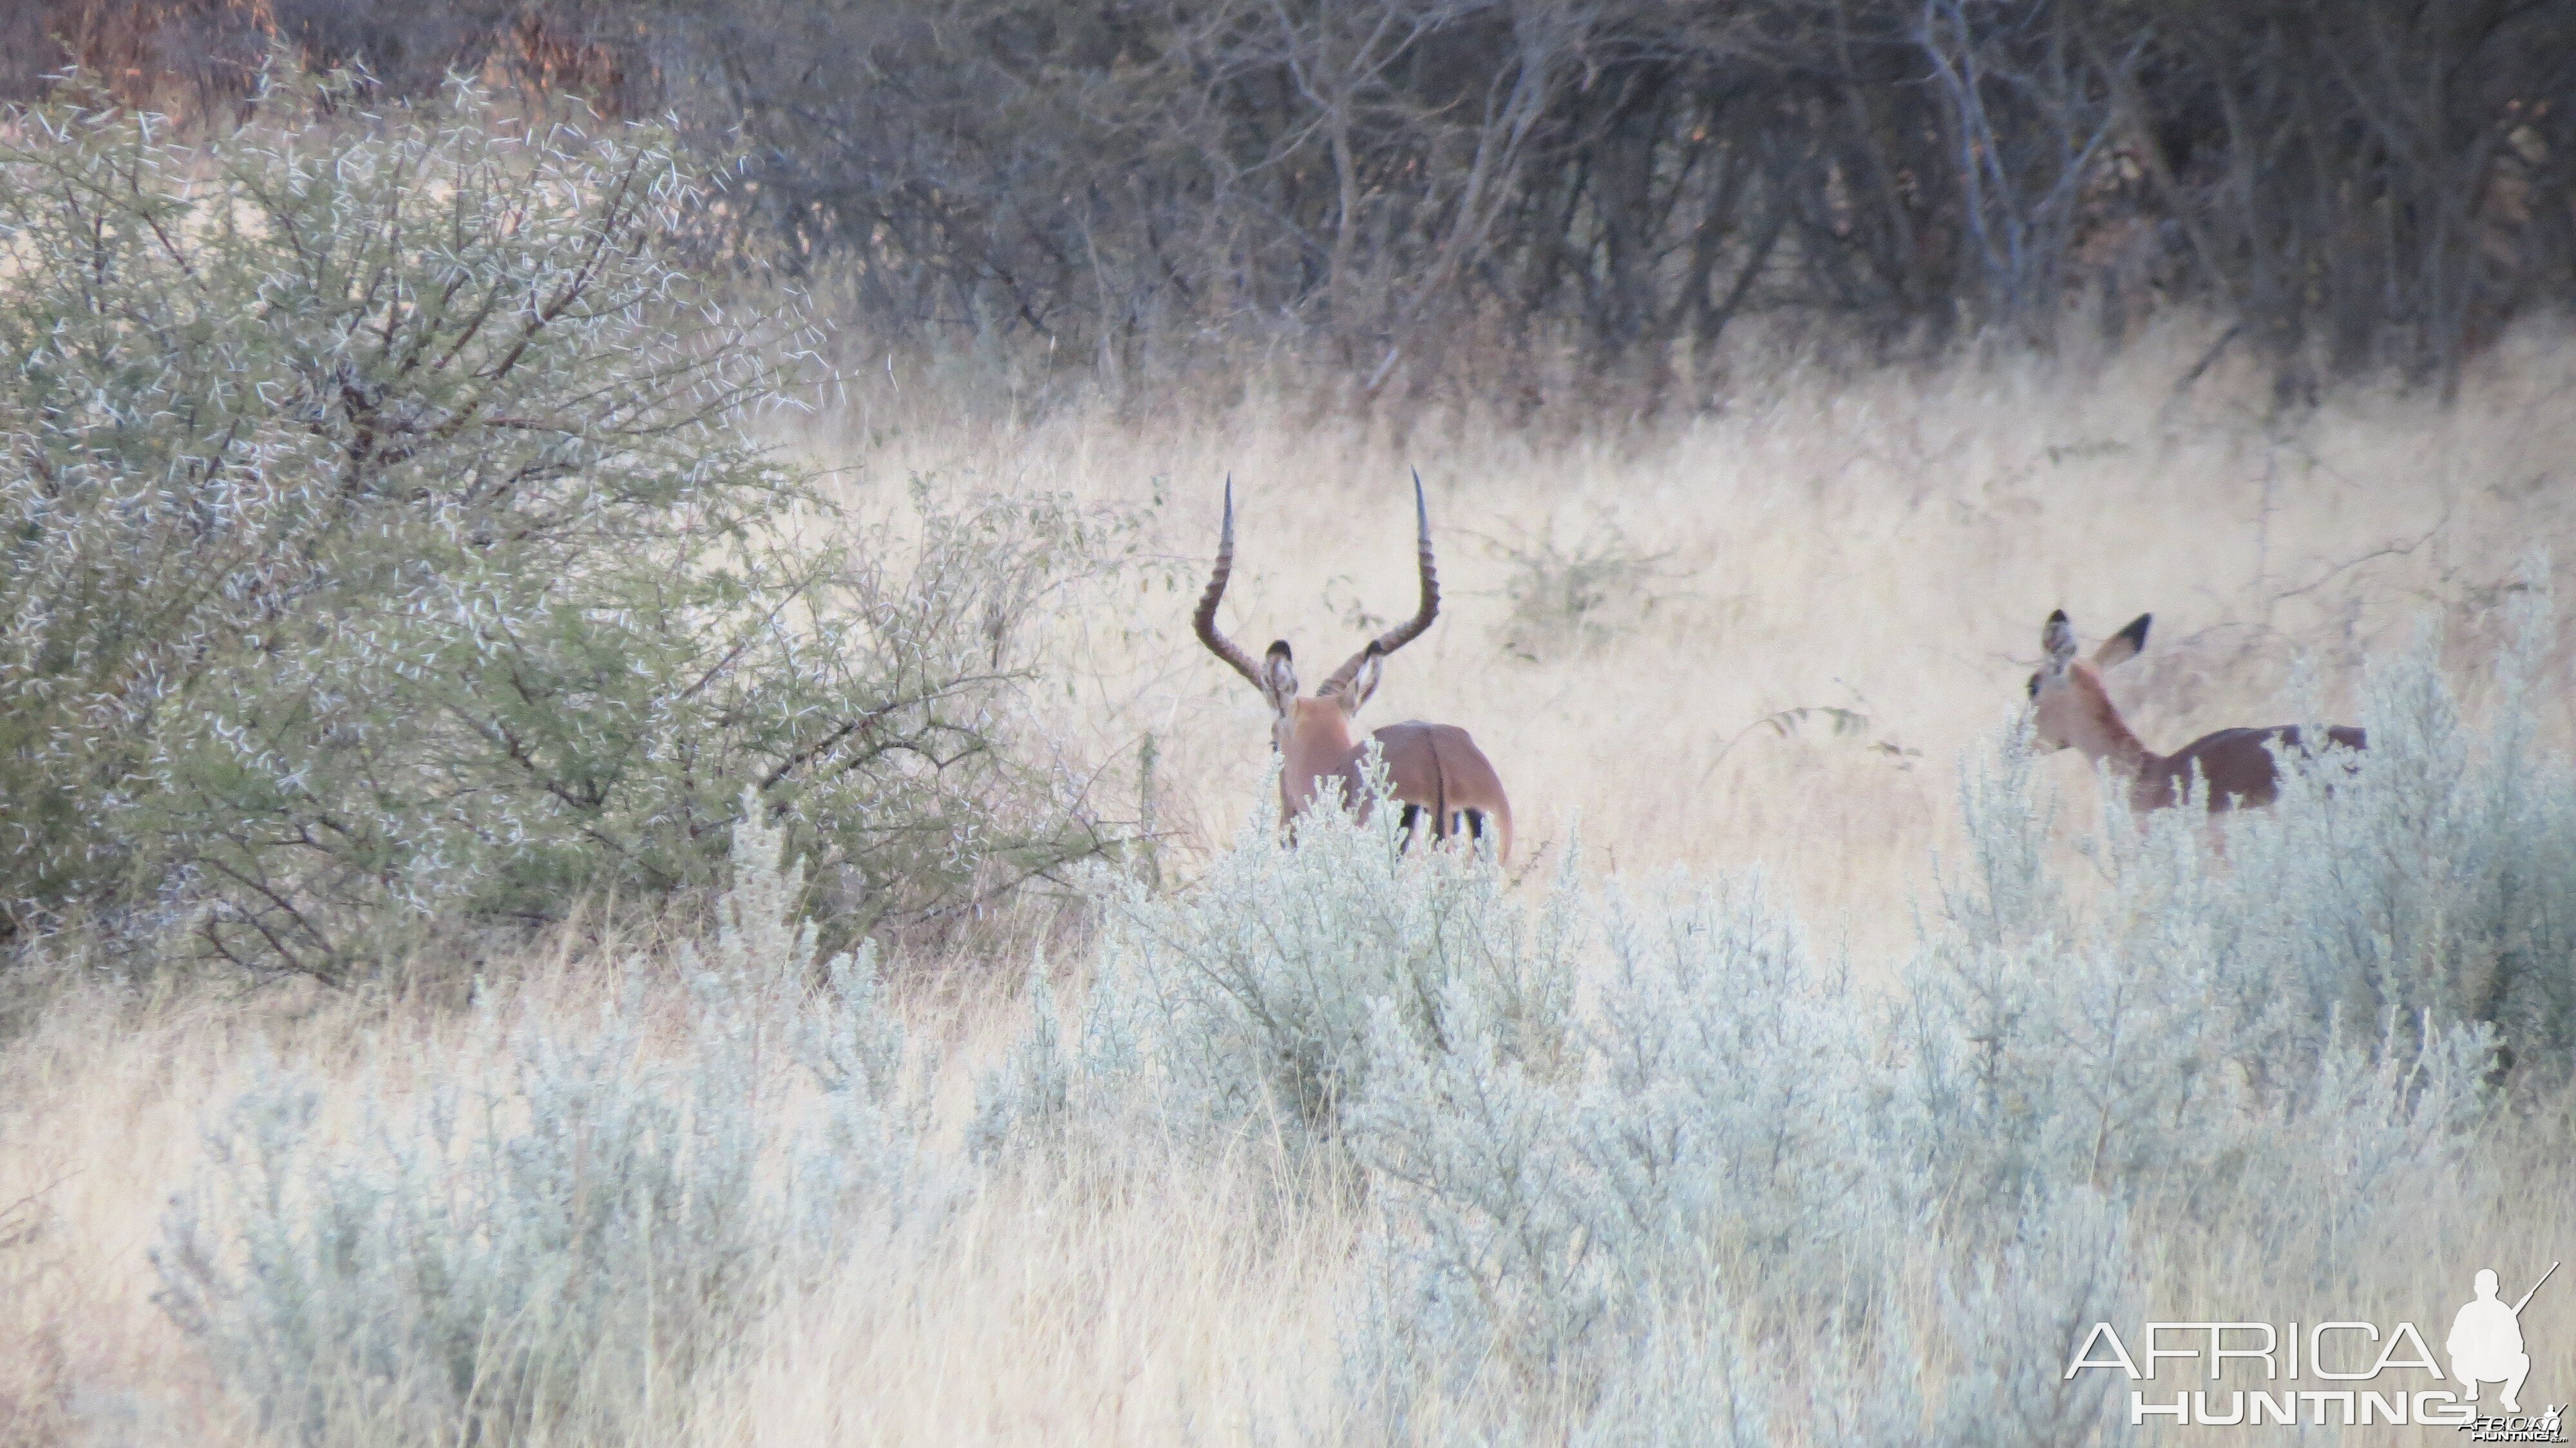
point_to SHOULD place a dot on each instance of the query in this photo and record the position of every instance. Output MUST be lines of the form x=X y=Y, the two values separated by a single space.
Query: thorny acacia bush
x=1574 y=597
x=1717 y=1183
x=380 y=539
x=498 y=1242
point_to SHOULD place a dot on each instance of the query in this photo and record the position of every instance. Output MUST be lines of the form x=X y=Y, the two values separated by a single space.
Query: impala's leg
x=1476 y=825
x=1404 y=830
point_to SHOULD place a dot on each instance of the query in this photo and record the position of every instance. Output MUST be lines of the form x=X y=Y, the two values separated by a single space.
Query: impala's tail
x=1439 y=795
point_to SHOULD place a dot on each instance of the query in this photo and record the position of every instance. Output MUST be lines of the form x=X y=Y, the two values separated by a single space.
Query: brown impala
x=2071 y=708
x=1433 y=769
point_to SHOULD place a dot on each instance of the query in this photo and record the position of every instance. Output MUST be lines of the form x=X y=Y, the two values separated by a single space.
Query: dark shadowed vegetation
x=1425 y=191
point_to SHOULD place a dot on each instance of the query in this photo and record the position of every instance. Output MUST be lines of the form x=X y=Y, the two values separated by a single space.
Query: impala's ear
x=2123 y=646
x=2058 y=638
x=1279 y=677
x=1363 y=683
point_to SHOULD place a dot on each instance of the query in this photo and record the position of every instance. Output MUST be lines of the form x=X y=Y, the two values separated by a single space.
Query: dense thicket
x=2355 y=185
x=381 y=543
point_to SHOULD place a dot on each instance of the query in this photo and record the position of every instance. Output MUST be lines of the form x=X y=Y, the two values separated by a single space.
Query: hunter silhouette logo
x=2486 y=1341
x=2342 y=1372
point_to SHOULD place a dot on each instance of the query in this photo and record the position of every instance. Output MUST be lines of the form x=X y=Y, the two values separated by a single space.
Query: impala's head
x=2069 y=706
x=1302 y=725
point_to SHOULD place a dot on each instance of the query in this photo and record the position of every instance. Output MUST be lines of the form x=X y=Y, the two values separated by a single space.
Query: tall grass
x=1632 y=1165
x=1728 y=1152
x=1342 y=1143
x=1831 y=588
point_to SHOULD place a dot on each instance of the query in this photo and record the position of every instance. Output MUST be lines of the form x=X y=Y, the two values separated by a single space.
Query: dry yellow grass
x=1883 y=545
x=1103 y=1306
x=1886 y=545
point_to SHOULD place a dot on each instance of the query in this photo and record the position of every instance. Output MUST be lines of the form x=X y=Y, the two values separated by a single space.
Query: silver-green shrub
x=1642 y=1169
x=531 y=1233
x=2436 y=885
x=1250 y=998
x=1029 y=1096
x=1638 y=1167
x=383 y=539
x=2395 y=930
x=2152 y=1031
x=1713 y=1110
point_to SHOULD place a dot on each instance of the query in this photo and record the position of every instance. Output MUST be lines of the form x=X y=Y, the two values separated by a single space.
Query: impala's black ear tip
x=2136 y=632
x=2058 y=638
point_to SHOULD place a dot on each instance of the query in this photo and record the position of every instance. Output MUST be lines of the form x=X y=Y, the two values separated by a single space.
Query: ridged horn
x=1411 y=629
x=1205 y=619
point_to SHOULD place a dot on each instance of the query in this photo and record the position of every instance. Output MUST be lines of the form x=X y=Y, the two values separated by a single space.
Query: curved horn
x=1205 y=619
x=1411 y=629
